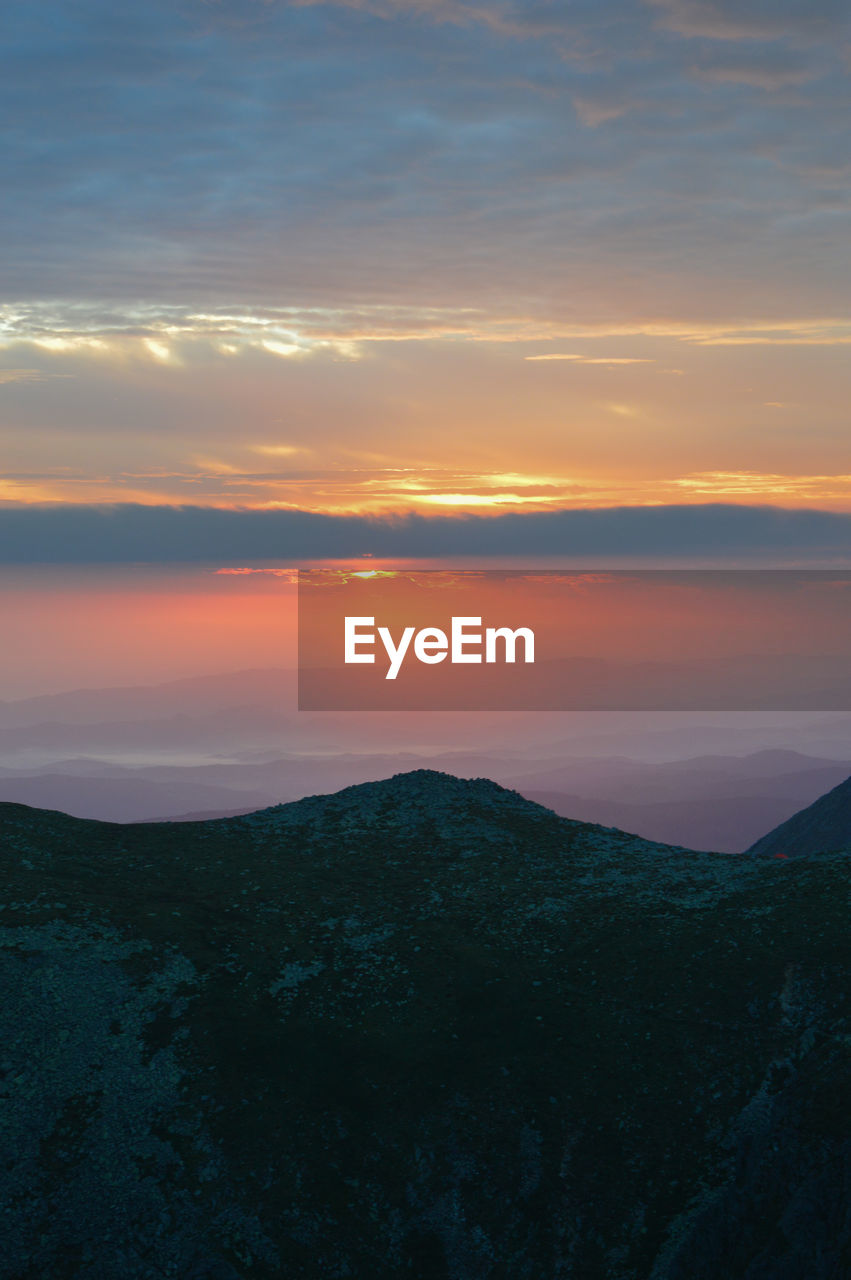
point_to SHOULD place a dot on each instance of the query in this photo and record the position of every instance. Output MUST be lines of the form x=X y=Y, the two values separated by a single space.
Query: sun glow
x=480 y=499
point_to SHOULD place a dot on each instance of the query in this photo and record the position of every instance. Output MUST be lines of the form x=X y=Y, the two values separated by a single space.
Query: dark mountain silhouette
x=822 y=826
x=423 y=1027
x=711 y=802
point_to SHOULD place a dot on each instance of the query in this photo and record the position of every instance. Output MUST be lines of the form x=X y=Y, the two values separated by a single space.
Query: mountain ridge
x=422 y=1027
x=822 y=826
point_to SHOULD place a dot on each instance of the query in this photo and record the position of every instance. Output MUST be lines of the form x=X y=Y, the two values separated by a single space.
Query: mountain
x=132 y=773
x=824 y=825
x=421 y=1027
x=123 y=799
x=215 y=744
x=726 y=824
x=192 y=695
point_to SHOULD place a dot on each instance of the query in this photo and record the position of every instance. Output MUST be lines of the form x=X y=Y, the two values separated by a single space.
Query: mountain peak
x=436 y=783
x=822 y=827
x=416 y=803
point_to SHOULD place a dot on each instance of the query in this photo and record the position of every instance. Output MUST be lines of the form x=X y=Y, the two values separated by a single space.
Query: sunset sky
x=387 y=256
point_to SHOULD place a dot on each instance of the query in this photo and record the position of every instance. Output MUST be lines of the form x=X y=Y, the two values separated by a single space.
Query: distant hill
x=710 y=802
x=822 y=826
x=422 y=1027
x=124 y=797
x=726 y=824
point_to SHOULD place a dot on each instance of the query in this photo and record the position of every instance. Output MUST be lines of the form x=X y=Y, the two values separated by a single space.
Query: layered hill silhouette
x=209 y=746
x=422 y=1027
x=824 y=825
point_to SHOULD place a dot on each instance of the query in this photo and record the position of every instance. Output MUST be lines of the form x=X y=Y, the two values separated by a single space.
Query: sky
x=386 y=259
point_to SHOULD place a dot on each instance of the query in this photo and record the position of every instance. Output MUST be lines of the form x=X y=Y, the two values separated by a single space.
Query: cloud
x=593 y=112
x=756 y=77
x=580 y=359
x=753 y=19
x=20 y=375
x=28 y=375
x=173 y=332
x=409 y=422
x=504 y=19
x=342 y=228
x=169 y=535
x=278 y=450
x=754 y=484
x=772 y=67
x=702 y=19
x=250 y=155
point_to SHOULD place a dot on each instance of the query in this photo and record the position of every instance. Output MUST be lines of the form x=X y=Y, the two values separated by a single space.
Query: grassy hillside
x=421 y=1028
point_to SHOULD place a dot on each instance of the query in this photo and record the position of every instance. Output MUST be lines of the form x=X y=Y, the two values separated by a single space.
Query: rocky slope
x=421 y=1028
x=824 y=825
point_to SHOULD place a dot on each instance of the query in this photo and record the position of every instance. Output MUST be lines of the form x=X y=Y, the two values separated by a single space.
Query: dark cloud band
x=127 y=534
